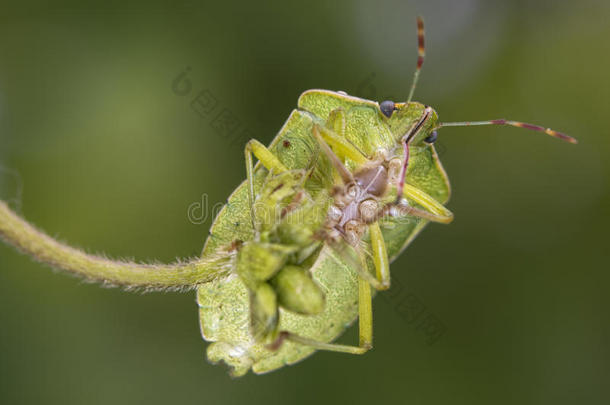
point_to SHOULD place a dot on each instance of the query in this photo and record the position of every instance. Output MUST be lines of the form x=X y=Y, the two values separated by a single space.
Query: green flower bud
x=297 y=291
x=263 y=312
x=258 y=261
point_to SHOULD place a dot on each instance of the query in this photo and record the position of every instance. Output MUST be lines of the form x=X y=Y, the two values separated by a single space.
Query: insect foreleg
x=403 y=171
x=341 y=146
x=406 y=139
x=344 y=173
x=267 y=159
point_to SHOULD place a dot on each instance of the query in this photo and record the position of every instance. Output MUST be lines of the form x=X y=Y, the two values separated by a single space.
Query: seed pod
x=258 y=262
x=297 y=291
x=263 y=312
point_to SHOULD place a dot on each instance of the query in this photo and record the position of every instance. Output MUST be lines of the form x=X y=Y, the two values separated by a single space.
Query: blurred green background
x=97 y=149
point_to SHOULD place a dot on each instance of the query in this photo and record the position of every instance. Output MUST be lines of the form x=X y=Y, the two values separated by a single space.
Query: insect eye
x=387 y=108
x=432 y=137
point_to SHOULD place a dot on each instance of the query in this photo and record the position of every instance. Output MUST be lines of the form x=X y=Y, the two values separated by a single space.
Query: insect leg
x=267 y=159
x=365 y=316
x=380 y=256
x=434 y=211
x=342 y=147
x=381 y=280
x=403 y=171
x=344 y=173
x=365 y=323
x=405 y=143
x=362 y=268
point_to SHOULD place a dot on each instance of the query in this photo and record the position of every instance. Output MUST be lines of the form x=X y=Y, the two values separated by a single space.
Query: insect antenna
x=517 y=124
x=421 y=52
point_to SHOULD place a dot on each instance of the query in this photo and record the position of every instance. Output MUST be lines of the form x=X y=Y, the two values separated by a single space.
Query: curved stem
x=41 y=247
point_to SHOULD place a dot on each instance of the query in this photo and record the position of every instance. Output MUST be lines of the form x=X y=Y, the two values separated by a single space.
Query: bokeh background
x=98 y=148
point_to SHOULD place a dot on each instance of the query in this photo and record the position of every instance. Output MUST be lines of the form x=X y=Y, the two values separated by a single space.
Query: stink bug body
x=293 y=257
x=388 y=183
x=224 y=303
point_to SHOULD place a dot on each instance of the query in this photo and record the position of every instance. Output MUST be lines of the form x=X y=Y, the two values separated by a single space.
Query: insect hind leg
x=380 y=257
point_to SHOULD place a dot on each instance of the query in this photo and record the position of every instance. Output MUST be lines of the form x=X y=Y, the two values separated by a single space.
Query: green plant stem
x=17 y=232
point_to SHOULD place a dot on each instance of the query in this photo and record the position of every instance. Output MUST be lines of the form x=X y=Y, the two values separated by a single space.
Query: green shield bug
x=294 y=256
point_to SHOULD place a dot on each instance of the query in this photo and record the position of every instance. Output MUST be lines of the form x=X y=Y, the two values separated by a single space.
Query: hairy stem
x=41 y=247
